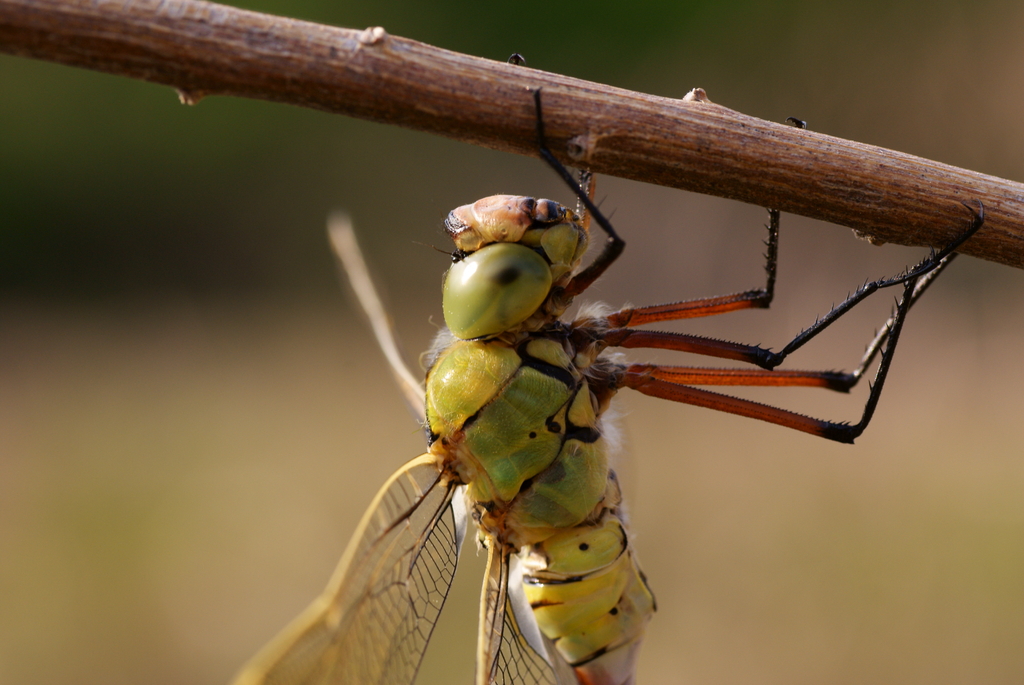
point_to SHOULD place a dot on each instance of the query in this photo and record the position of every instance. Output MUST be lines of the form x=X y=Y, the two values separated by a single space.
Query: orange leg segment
x=682 y=342
x=759 y=298
x=655 y=387
x=694 y=375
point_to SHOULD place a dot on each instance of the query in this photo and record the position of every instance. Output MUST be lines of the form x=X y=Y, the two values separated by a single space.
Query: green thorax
x=520 y=427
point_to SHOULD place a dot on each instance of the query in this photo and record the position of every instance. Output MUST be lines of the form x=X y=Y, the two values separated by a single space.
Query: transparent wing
x=373 y=622
x=510 y=647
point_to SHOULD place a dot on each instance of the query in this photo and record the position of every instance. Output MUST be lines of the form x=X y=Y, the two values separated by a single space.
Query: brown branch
x=202 y=49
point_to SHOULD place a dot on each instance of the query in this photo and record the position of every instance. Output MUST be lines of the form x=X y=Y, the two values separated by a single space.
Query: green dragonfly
x=514 y=400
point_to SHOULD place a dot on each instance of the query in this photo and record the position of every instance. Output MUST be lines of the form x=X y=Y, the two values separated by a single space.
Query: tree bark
x=203 y=49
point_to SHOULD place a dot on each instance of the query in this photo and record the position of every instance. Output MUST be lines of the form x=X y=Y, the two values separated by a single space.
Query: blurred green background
x=193 y=416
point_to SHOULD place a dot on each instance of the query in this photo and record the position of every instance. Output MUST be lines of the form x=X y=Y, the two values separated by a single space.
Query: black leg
x=928 y=264
x=614 y=245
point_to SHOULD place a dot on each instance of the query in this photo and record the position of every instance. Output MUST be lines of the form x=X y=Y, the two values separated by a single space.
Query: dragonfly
x=513 y=410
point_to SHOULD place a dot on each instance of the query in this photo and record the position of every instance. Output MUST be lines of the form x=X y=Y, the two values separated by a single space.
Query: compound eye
x=494 y=289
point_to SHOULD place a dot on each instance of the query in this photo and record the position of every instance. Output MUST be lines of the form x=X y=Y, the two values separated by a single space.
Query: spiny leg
x=588 y=183
x=758 y=298
x=882 y=335
x=839 y=381
x=766 y=359
x=695 y=375
x=666 y=382
x=649 y=383
x=926 y=265
x=613 y=246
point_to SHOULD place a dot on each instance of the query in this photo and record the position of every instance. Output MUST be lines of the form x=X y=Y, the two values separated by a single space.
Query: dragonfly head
x=511 y=253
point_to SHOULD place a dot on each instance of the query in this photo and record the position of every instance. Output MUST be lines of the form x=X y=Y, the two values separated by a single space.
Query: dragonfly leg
x=613 y=247
x=655 y=387
x=931 y=263
x=839 y=381
x=588 y=183
x=694 y=375
x=923 y=274
x=758 y=298
x=872 y=349
x=671 y=382
x=651 y=381
x=633 y=338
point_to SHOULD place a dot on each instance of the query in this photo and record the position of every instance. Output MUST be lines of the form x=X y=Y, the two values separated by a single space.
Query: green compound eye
x=493 y=289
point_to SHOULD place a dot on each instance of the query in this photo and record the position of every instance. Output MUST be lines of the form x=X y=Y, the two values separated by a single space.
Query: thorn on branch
x=190 y=97
x=697 y=95
x=372 y=35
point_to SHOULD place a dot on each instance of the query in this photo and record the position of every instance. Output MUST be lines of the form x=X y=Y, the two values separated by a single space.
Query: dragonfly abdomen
x=590 y=597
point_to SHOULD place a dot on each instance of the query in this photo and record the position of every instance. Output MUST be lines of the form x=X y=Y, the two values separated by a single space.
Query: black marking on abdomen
x=544 y=603
x=533 y=580
x=590 y=658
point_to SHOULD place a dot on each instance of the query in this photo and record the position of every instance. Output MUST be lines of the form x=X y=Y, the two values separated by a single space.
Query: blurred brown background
x=193 y=416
